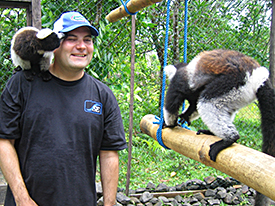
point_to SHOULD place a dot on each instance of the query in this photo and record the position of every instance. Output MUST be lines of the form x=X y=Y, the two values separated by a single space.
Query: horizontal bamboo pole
x=175 y=193
x=169 y=194
x=132 y=6
x=251 y=167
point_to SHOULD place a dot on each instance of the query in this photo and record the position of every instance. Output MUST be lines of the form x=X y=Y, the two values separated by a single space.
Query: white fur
x=43 y=33
x=258 y=77
x=191 y=70
x=217 y=120
x=16 y=60
x=170 y=70
x=169 y=118
x=46 y=60
x=25 y=64
x=223 y=109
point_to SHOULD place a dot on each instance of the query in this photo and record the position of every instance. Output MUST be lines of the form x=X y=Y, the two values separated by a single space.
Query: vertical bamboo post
x=249 y=166
x=132 y=6
x=36 y=14
x=133 y=38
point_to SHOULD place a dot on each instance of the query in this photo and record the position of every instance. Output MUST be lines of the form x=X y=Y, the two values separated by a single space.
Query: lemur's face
x=76 y=50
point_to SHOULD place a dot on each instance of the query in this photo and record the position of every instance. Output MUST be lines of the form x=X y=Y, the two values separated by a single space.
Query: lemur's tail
x=170 y=70
x=266 y=98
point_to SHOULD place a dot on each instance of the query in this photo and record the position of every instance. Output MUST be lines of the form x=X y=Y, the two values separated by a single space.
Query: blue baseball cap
x=69 y=21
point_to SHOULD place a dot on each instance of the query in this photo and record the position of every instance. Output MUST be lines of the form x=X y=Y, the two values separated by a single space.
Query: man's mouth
x=79 y=55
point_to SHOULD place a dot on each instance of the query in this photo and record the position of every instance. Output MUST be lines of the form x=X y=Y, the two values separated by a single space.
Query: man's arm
x=10 y=167
x=109 y=170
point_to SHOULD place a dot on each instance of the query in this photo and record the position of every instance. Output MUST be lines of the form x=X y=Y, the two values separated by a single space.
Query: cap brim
x=93 y=30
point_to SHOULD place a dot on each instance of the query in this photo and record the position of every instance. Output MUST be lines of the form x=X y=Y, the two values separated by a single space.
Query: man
x=52 y=132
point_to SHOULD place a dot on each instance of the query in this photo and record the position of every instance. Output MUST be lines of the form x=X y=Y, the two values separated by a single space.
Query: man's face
x=76 y=50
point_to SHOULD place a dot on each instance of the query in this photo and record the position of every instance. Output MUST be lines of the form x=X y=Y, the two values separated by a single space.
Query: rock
x=140 y=190
x=163 y=199
x=98 y=187
x=186 y=204
x=134 y=200
x=181 y=187
x=210 y=193
x=158 y=204
x=195 y=184
x=100 y=201
x=209 y=179
x=151 y=186
x=162 y=188
x=123 y=199
x=179 y=198
x=228 y=198
x=214 y=202
x=154 y=200
x=212 y=196
x=245 y=189
x=146 y=197
x=199 y=196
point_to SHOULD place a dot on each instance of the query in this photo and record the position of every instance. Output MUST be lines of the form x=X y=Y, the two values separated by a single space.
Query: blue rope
x=160 y=120
x=185 y=47
x=125 y=7
x=159 y=131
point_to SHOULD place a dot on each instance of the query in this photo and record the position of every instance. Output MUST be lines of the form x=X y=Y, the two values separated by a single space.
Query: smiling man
x=74 y=54
x=51 y=133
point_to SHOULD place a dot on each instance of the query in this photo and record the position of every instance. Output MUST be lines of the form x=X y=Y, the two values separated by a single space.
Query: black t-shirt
x=59 y=128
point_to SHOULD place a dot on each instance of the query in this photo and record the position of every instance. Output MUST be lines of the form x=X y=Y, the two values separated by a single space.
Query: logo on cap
x=78 y=18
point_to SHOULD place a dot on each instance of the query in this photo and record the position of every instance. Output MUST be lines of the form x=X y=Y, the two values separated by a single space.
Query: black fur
x=217 y=84
x=32 y=53
x=266 y=98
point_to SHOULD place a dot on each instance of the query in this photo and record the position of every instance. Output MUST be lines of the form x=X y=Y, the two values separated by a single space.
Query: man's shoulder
x=98 y=83
x=16 y=79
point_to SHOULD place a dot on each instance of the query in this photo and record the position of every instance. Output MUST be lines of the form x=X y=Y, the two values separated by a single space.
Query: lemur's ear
x=61 y=35
x=170 y=70
x=44 y=33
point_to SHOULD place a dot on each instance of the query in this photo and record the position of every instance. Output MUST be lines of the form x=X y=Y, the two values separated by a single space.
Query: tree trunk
x=272 y=46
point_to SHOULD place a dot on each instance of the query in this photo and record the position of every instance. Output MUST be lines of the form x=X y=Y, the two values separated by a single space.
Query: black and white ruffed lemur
x=32 y=51
x=217 y=84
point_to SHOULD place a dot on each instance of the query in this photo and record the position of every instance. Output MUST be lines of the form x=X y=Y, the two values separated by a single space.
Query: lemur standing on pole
x=217 y=84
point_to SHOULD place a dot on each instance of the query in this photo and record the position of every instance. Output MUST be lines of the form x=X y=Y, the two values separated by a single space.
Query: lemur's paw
x=218 y=146
x=202 y=131
x=169 y=126
x=17 y=69
x=184 y=118
x=46 y=76
x=29 y=75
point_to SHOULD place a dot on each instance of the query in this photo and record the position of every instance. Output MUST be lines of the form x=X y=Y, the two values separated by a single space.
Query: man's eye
x=88 y=40
x=71 y=39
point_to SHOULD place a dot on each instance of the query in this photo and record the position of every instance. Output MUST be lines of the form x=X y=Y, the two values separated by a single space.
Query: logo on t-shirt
x=93 y=107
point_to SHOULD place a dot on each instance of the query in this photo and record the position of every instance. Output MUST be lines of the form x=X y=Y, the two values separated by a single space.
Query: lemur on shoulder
x=217 y=84
x=32 y=51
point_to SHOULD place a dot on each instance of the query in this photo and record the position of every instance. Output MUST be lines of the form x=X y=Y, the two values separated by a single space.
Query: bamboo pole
x=175 y=193
x=132 y=6
x=251 y=167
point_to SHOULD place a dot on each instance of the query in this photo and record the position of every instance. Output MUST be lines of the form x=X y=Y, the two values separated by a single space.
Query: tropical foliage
x=239 y=25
